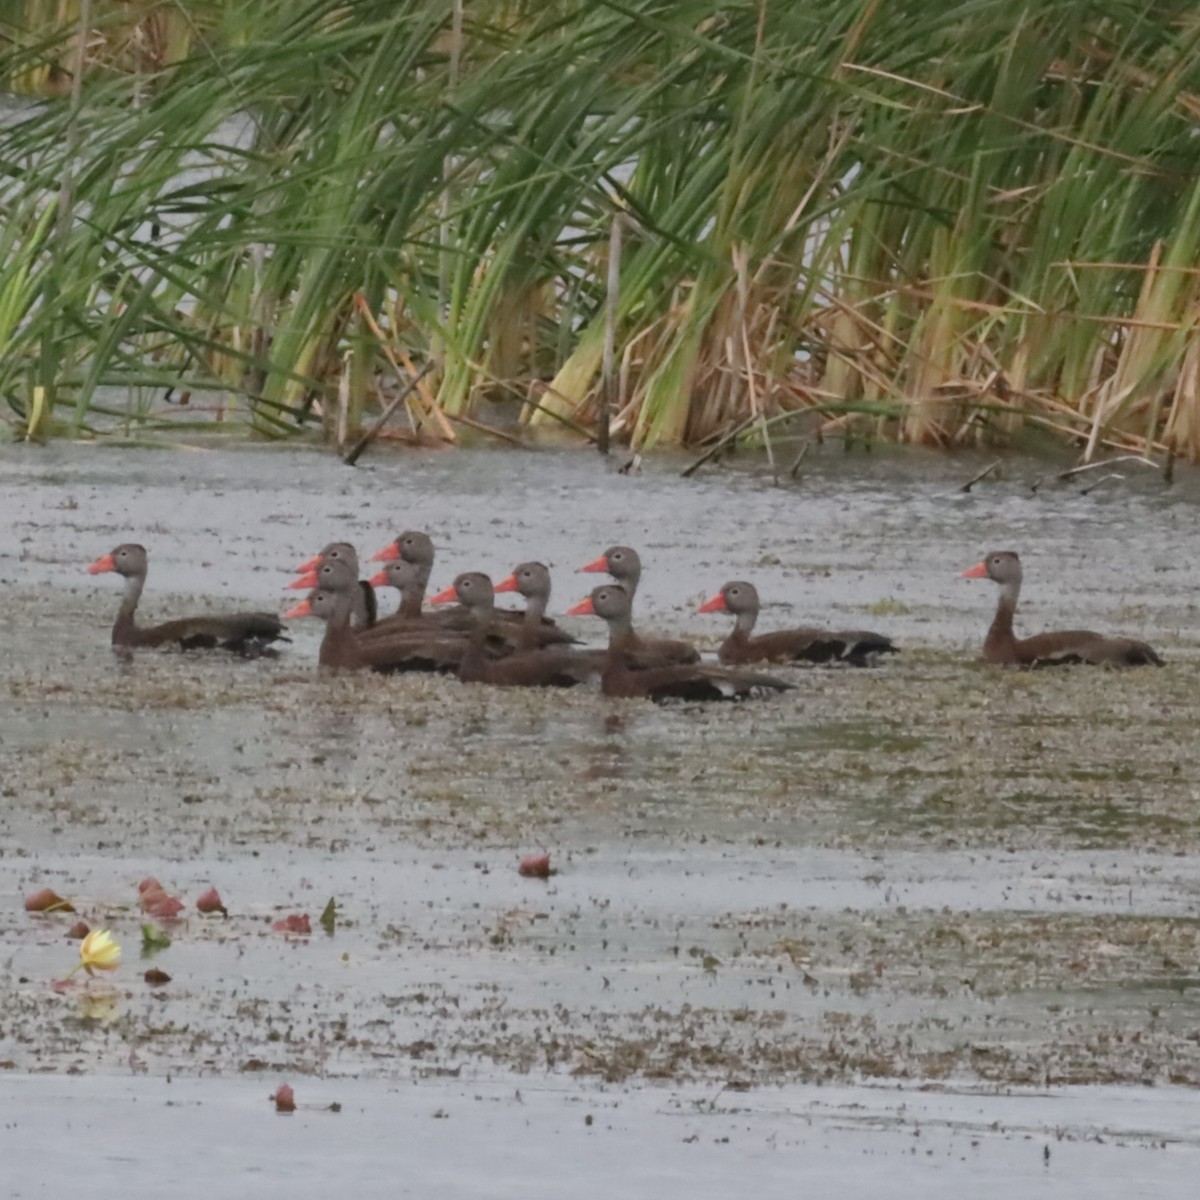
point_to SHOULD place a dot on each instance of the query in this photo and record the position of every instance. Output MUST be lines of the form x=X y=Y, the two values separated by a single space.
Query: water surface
x=932 y=874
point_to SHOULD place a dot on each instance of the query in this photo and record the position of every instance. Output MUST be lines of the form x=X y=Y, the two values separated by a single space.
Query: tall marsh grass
x=944 y=222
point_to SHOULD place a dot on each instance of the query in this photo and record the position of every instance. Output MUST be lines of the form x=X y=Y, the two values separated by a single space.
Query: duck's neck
x=620 y=639
x=124 y=627
x=473 y=667
x=413 y=597
x=744 y=622
x=535 y=610
x=339 y=644
x=1001 y=632
x=739 y=635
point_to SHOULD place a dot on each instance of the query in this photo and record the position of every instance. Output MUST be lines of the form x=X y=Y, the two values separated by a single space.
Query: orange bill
x=389 y=553
x=507 y=585
x=978 y=571
x=303 y=609
x=597 y=565
x=305 y=581
x=583 y=609
x=444 y=596
x=101 y=565
x=716 y=604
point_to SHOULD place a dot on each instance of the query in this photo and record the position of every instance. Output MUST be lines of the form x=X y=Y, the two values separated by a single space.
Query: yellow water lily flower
x=99 y=951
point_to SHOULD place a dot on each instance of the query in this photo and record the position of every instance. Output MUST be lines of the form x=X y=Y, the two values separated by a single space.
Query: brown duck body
x=680 y=681
x=1057 y=648
x=684 y=681
x=1067 y=647
x=508 y=630
x=858 y=648
x=644 y=653
x=533 y=668
x=242 y=633
x=247 y=633
x=344 y=648
x=804 y=645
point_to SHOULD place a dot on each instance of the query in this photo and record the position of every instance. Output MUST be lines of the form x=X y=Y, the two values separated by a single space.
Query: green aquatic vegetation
x=945 y=225
x=887 y=606
x=154 y=939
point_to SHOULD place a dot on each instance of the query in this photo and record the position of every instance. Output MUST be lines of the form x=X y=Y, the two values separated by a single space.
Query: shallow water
x=541 y=1138
x=931 y=871
x=853 y=534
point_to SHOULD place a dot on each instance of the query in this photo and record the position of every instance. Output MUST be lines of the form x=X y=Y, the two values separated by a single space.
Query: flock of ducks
x=482 y=644
x=462 y=631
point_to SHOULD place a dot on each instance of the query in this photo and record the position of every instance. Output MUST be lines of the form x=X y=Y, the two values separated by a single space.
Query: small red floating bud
x=296 y=923
x=155 y=902
x=210 y=902
x=535 y=866
x=162 y=906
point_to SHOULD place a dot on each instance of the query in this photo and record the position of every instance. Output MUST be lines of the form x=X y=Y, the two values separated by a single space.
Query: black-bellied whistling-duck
x=343 y=648
x=365 y=610
x=623 y=563
x=536 y=668
x=339 y=646
x=409 y=580
x=1046 y=649
x=414 y=547
x=249 y=633
x=625 y=566
x=856 y=647
x=532 y=580
x=684 y=681
x=504 y=636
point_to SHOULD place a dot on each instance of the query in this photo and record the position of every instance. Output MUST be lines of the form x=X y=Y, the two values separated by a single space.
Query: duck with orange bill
x=681 y=681
x=1056 y=648
x=365 y=610
x=624 y=564
x=343 y=648
x=245 y=633
x=858 y=647
x=555 y=667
